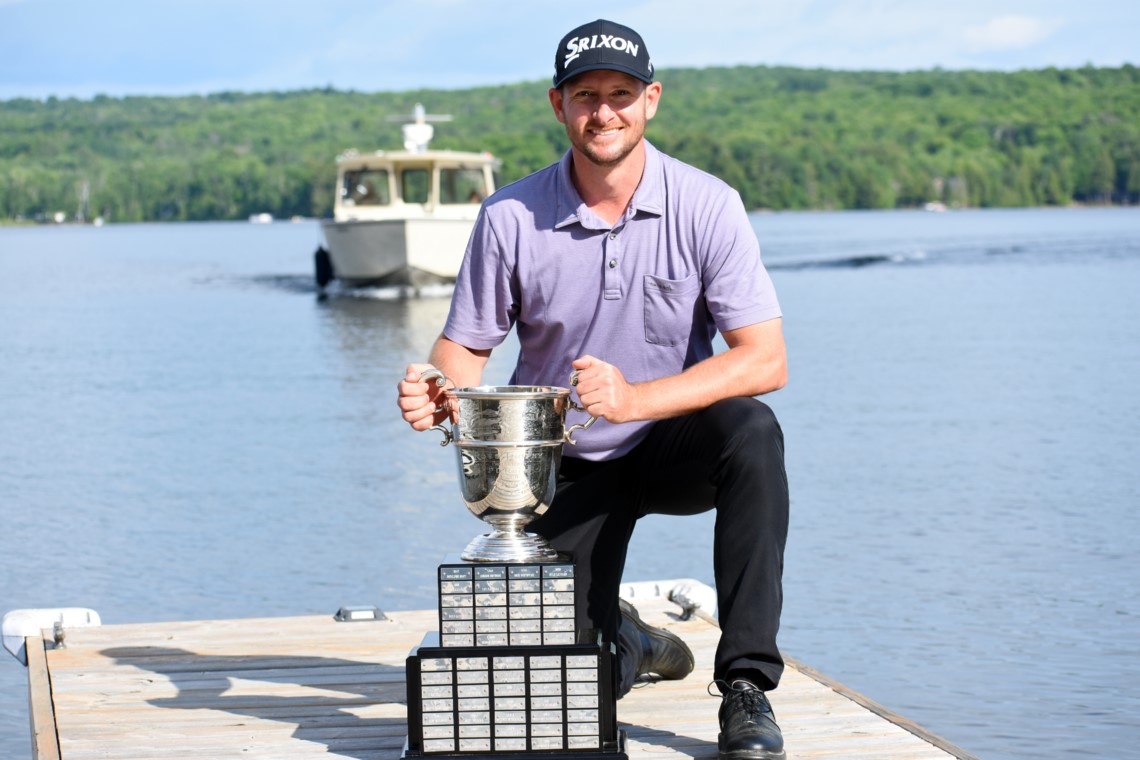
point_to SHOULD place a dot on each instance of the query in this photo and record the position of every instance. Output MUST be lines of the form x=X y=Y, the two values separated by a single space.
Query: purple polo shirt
x=646 y=294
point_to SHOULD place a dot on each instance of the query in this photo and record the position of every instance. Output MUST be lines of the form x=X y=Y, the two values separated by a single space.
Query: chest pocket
x=669 y=309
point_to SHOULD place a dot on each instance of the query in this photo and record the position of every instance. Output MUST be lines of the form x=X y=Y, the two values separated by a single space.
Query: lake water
x=189 y=432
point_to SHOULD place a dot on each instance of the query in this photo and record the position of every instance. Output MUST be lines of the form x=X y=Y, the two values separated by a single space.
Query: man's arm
x=755 y=363
x=420 y=401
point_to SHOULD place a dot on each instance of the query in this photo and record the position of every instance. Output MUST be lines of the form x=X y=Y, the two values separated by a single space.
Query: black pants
x=728 y=457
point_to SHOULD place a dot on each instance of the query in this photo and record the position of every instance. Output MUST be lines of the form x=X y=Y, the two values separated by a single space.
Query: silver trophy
x=509 y=443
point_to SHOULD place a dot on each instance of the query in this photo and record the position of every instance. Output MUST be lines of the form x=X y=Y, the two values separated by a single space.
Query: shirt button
x=613 y=236
x=613 y=263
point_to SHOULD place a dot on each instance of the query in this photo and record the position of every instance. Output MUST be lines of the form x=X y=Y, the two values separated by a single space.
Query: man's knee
x=748 y=426
x=750 y=477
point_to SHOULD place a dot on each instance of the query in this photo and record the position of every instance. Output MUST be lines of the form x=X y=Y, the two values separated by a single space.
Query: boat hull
x=396 y=251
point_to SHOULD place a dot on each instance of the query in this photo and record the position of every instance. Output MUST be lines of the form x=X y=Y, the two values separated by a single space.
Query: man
x=622 y=263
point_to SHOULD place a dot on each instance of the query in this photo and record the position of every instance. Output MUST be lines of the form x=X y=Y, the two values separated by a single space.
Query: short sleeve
x=738 y=289
x=485 y=302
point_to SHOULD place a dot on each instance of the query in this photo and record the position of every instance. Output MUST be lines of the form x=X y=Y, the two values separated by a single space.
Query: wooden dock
x=313 y=687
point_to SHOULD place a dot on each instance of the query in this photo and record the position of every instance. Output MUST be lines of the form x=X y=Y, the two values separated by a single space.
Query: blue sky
x=173 y=47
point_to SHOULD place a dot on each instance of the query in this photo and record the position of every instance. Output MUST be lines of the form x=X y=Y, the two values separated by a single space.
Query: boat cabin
x=402 y=185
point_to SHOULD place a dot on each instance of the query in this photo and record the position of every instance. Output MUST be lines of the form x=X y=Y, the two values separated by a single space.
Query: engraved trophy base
x=617 y=751
x=508 y=546
x=522 y=703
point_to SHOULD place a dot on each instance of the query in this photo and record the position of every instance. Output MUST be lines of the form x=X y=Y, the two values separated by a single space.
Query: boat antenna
x=417 y=131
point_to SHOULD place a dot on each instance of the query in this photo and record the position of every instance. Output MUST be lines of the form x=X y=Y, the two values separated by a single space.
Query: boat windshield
x=461 y=185
x=415 y=185
x=366 y=187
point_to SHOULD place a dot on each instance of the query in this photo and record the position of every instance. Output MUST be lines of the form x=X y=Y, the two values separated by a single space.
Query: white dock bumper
x=687 y=593
x=20 y=624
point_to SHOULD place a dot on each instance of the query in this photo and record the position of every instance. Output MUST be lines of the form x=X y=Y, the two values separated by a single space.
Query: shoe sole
x=630 y=613
x=747 y=754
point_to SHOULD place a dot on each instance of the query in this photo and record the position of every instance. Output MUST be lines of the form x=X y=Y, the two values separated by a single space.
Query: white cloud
x=1010 y=33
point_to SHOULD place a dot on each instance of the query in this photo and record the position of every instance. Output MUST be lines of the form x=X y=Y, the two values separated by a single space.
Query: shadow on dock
x=676 y=744
x=330 y=701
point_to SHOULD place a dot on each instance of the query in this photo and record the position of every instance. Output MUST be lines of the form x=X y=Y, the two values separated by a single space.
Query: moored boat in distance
x=403 y=217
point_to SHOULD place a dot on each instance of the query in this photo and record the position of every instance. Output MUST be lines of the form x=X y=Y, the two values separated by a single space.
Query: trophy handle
x=568 y=435
x=447 y=437
x=570 y=432
x=441 y=380
x=436 y=375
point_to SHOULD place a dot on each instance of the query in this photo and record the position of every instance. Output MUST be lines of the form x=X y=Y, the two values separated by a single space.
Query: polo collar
x=649 y=196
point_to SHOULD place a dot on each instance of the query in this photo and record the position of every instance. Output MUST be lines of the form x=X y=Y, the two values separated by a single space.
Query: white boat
x=403 y=217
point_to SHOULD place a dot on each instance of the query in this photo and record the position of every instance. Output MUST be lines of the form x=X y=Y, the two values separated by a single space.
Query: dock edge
x=41 y=706
x=867 y=703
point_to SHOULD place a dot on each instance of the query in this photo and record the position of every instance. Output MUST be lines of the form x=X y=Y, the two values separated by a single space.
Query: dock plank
x=311 y=687
x=41 y=711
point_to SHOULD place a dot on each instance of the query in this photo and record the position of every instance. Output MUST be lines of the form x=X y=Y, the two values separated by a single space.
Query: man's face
x=605 y=113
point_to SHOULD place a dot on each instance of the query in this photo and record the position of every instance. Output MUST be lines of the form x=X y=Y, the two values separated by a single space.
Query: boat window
x=461 y=186
x=366 y=187
x=415 y=185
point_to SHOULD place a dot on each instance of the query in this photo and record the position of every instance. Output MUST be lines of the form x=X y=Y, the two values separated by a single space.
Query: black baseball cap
x=602 y=44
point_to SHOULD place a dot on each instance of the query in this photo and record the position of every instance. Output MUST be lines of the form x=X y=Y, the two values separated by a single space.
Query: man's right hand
x=419 y=401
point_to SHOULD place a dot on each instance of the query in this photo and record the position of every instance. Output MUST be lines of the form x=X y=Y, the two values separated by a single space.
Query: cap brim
x=640 y=76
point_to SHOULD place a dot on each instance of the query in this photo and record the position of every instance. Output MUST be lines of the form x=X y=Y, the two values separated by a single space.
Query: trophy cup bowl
x=509 y=447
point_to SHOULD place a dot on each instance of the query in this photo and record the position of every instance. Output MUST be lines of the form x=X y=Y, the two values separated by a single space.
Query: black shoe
x=664 y=654
x=748 y=729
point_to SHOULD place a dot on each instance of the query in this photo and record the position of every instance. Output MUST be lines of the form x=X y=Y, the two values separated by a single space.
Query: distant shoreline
x=28 y=224
x=785 y=138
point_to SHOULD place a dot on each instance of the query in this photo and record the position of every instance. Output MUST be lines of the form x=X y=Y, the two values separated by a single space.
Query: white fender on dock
x=20 y=624
x=688 y=593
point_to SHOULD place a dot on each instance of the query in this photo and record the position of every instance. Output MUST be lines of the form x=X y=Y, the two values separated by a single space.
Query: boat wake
x=303 y=283
x=389 y=292
x=292 y=283
x=974 y=253
x=847 y=262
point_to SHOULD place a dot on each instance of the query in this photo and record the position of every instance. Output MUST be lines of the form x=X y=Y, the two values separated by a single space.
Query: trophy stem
x=509 y=546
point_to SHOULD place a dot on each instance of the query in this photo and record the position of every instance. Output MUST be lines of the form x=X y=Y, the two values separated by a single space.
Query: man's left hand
x=604 y=392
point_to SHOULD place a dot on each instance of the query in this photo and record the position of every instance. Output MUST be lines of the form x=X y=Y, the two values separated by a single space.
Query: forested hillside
x=786 y=138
